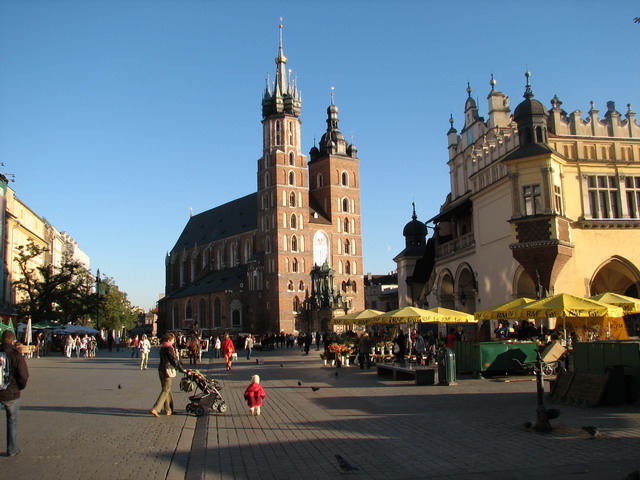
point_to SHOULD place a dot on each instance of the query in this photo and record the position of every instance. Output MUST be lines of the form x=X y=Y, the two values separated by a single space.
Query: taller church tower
x=282 y=200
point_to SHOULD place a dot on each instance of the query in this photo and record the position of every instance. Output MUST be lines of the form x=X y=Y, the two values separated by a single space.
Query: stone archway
x=466 y=291
x=446 y=296
x=616 y=275
x=524 y=285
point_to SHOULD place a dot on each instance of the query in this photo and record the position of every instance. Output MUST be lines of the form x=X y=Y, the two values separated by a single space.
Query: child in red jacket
x=254 y=394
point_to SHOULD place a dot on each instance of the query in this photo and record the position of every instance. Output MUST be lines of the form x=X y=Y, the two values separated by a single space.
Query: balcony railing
x=463 y=242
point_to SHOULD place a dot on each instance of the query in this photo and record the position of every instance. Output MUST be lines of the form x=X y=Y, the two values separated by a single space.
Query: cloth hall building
x=287 y=257
x=542 y=201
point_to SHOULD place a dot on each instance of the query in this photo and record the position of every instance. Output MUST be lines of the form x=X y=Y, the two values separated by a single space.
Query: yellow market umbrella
x=567 y=306
x=564 y=305
x=453 y=316
x=628 y=304
x=356 y=318
x=498 y=311
x=407 y=315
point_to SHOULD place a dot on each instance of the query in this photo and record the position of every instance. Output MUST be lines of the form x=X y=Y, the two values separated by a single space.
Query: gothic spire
x=285 y=97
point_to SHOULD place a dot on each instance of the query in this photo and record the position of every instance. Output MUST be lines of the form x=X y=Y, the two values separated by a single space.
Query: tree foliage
x=115 y=309
x=66 y=293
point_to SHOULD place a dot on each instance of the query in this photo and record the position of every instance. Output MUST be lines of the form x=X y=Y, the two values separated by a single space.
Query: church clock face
x=320 y=248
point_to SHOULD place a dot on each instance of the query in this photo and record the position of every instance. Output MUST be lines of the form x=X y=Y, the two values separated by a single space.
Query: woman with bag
x=228 y=349
x=169 y=363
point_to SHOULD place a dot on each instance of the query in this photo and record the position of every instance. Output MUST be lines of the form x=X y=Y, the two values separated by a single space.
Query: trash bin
x=446 y=367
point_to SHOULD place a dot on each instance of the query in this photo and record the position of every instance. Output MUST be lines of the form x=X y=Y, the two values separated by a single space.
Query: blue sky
x=118 y=117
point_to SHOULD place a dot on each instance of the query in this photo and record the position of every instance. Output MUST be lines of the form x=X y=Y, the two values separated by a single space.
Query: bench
x=421 y=375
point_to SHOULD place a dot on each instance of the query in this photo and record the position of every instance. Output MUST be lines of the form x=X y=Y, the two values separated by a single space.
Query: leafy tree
x=65 y=293
x=48 y=292
x=115 y=310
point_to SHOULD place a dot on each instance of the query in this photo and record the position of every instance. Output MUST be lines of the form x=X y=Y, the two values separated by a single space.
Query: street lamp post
x=98 y=280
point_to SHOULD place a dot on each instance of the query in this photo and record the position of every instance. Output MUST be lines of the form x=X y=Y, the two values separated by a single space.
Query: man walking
x=248 y=345
x=14 y=375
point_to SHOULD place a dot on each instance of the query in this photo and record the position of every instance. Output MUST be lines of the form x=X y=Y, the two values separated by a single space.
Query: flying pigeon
x=315 y=389
x=344 y=465
x=299 y=384
x=593 y=431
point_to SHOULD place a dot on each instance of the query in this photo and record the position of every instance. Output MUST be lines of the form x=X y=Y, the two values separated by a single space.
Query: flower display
x=339 y=348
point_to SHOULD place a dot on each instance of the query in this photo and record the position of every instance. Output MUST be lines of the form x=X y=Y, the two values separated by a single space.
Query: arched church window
x=301 y=286
x=292 y=199
x=292 y=178
x=345 y=179
x=294 y=221
x=319 y=181
x=188 y=313
x=291 y=136
x=345 y=204
x=539 y=135
x=278 y=135
x=296 y=304
x=347 y=268
x=294 y=265
x=294 y=243
x=291 y=158
x=346 y=226
x=290 y=286
x=347 y=247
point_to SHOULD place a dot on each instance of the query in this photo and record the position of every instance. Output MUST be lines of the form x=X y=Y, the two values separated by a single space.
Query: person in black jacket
x=14 y=375
x=168 y=361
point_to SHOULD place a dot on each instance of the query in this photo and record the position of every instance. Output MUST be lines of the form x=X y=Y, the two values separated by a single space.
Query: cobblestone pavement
x=76 y=423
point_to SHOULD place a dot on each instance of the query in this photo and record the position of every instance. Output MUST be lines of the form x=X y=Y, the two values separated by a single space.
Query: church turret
x=531 y=117
x=333 y=142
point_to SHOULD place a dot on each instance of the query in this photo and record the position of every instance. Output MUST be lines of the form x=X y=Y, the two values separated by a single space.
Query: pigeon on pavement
x=299 y=384
x=344 y=465
x=593 y=431
x=315 y=389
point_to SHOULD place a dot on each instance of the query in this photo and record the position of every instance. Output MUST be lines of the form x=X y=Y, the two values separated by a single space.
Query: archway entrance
x=617 y=276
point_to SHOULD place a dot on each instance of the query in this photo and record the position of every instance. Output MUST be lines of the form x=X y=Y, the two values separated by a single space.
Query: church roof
x=216 y=281
x=233 y=218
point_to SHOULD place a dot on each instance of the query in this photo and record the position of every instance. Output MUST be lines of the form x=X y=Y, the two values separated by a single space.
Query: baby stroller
x=207 y=397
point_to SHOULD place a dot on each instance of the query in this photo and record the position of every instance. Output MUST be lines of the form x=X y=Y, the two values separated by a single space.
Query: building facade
x=286 y=257
x=542 y=201
x=381 y=292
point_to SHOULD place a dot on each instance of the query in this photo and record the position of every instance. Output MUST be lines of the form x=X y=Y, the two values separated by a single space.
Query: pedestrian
x=451 y=338
x=421 y=349
x=169 y=363
x=193 y=349
x=364 y=350
x=400 y=348
x=84 y=345
x=135 y=344
x=68 y=346
x=228 y=349
x=254 y=395
x=308 y=339
x=145 y=348
x=14 y=375
x=216 y=347
x=110 y=340
x=117 y=340
x=248 y=345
